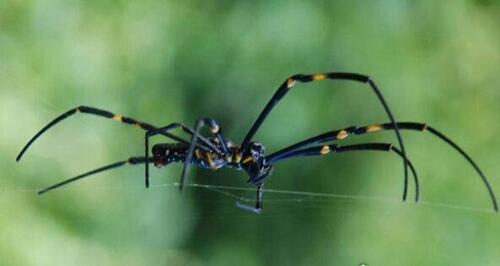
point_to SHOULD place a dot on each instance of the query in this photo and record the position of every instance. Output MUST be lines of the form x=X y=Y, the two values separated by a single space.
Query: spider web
x=273 y=196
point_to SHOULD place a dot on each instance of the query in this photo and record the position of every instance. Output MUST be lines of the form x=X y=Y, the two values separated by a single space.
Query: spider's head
x=256 y=151
x=254 y=164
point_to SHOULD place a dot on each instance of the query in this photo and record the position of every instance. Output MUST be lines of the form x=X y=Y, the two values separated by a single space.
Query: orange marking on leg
x=324 y=150
x=373 y=128
x=319 y=76
x=117 y=118
x=342 y=134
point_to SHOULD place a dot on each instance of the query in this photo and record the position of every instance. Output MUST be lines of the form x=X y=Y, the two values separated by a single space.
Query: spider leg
x=334 y=148
x=215 y=129
x=131 y=160
x=343 y=133
x=97 y=112
x=322 y=150
x=290 y=82
x=258 y=203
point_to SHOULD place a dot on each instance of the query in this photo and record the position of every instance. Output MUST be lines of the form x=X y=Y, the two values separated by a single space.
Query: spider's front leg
x=334 y=148
x=258 y=204
x=305 y=78
x=299 y=148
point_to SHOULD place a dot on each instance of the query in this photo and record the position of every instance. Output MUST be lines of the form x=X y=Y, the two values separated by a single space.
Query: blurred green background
x=163 y=61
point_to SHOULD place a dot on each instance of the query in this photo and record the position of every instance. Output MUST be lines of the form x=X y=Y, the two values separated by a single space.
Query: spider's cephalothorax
x=216 y=151
x=255 y=164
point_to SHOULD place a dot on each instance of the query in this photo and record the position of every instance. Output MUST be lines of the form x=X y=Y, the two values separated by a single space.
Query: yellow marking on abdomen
x=319 y=76
x=373 y=128
x=117 y=118
x=197 y=154
x=210 y=160
x=248 y=159
x=290 y=83
x=324 y=150
x=342 y=134
x=237 y=157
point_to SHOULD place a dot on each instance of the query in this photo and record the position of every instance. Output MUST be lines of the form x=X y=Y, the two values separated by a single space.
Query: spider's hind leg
x=130 y=161
x=97 y=112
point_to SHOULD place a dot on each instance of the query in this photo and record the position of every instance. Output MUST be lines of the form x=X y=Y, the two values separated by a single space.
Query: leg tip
x=248 y=208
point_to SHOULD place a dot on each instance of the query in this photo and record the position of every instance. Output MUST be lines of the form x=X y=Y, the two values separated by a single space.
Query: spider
x=216 y=151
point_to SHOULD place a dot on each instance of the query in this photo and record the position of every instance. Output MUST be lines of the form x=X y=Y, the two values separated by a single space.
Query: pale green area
x=161 y=61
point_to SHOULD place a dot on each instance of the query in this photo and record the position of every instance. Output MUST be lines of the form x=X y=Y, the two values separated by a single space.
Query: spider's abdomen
x=166 y=153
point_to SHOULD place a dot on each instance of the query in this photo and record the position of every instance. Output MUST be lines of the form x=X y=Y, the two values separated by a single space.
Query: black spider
x=216 y=151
